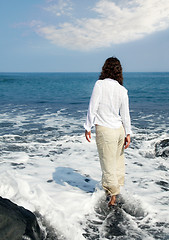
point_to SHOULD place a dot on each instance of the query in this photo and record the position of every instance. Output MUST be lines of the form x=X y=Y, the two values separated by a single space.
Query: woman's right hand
x=127 y=141
x=88 y=135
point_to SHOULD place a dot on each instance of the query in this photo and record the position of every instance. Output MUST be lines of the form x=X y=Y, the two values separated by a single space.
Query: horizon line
x=81 y=72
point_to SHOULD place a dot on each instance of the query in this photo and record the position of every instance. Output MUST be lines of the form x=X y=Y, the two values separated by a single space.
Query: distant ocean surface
x=47 y=166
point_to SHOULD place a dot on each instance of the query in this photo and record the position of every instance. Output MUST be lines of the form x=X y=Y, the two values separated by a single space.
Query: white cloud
x=116 y=22
x=59 y=7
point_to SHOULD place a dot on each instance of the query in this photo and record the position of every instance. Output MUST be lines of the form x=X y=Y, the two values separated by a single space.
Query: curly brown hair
x=112 y=69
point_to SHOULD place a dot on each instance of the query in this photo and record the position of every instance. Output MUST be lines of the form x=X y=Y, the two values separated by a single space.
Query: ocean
x=48 y=167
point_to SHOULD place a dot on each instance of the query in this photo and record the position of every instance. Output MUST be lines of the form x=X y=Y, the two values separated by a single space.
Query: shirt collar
x=110 y=79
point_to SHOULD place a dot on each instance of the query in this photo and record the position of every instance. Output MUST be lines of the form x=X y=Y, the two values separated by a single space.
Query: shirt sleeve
x=124 y=113
x=93 y=106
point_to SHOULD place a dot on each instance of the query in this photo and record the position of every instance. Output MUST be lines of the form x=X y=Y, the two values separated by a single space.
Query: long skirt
x=110 y=145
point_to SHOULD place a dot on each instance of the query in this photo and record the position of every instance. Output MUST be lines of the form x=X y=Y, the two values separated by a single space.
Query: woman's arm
x=124 y=113
x=92 y=110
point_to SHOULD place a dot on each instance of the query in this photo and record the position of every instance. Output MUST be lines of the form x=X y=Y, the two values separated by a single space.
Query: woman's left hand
x=88 y=135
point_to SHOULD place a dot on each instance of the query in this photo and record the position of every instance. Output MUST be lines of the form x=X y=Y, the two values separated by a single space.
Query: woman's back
x=111 y=97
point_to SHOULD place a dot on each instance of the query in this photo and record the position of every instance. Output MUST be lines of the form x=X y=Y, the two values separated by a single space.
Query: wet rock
x=162 y=148
x=17 y=223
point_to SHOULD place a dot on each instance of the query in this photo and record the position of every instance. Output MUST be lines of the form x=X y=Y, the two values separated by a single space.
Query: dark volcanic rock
x=162 y=148
x=17 y=223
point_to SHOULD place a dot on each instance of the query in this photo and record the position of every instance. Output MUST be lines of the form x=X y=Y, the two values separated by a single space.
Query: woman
x=109 y=112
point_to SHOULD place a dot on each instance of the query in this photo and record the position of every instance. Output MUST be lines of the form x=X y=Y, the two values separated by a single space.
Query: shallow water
x=47 y=166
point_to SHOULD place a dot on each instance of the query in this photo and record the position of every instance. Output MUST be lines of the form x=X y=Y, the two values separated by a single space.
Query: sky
x=78 y=36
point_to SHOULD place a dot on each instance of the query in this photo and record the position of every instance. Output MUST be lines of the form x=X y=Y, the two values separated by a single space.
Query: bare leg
x=112 y=200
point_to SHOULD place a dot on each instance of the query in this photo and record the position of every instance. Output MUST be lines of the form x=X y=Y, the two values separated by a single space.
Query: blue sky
x=77 y=36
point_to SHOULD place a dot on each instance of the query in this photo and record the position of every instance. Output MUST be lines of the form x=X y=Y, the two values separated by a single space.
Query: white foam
x=40 y=181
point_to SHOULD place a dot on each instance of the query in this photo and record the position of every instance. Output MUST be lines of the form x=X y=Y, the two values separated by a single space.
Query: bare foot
x=112 y=200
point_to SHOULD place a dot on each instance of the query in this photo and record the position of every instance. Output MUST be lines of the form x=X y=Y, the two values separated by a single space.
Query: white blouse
x=109 y=106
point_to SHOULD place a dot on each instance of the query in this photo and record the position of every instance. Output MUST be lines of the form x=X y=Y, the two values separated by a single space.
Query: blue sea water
x=41 y=108
x=148 y=92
